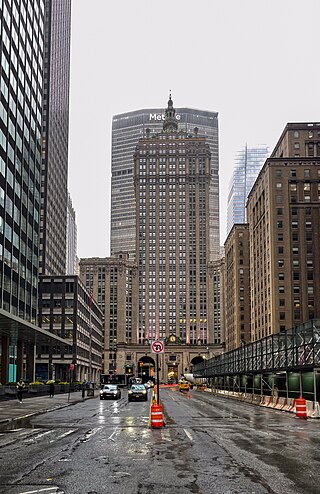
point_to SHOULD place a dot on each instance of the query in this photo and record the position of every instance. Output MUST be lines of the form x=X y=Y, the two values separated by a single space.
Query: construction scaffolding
x=295 y=349
x=288 y=361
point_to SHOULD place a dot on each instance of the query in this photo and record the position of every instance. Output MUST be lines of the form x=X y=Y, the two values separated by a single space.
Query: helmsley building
x=166 y=292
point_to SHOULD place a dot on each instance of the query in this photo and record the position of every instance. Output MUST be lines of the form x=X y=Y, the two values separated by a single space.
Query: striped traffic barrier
x=156 y=416
x=301 y=408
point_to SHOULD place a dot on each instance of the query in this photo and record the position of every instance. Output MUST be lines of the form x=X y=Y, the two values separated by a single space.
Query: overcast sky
x=255 y=62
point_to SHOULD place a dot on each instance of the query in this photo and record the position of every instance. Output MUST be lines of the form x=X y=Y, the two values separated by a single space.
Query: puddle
x=15 y=425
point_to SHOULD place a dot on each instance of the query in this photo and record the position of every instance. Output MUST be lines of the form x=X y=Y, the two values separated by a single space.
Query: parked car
x=111 y=391
x=138 y=392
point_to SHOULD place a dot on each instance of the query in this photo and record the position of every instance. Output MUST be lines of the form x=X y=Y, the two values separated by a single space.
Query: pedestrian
x=20 y=388
x=51 y=389
x=83 y=389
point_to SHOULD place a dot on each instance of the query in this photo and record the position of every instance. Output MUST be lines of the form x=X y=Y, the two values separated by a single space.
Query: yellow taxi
x=184 y=385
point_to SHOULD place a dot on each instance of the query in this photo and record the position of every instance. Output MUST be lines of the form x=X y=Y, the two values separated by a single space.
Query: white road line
x=188 y=434
x=62 y=435
x=42 y=434
x=94 y=431
x=110 y=437
x=46 y=489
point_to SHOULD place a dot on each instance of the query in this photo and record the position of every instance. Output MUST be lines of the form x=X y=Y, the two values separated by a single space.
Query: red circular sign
x=157 y=347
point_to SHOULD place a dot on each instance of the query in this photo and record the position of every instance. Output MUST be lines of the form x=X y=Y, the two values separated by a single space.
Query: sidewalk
x=11 y=411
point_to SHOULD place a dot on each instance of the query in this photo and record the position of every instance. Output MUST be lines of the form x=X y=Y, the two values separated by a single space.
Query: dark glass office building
x=28 y=32
x=55 y=135
x=22 y=46
x=127 y=129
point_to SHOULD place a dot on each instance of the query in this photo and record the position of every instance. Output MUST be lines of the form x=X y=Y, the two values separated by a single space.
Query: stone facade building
x=283 y=212
x=237 y=287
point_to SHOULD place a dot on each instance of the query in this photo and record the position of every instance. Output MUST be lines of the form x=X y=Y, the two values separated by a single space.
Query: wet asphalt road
x=209 y=445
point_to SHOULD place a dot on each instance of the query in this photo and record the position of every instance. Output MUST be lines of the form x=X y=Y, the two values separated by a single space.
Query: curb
x=12 y=420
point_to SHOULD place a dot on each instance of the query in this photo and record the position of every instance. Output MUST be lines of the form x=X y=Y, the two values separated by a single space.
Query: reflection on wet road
x=209 y=445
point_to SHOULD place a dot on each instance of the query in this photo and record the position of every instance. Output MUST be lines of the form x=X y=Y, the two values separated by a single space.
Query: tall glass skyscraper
x=55 y=137
x=32 y=121
x=248 y=164
x=127 y=129
x=72 y=259
x=21 y=52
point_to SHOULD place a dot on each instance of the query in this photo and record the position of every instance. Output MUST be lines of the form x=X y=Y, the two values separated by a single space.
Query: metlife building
x=127 y=129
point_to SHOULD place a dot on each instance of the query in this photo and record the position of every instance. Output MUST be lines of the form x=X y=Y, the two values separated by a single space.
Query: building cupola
x=170 y=123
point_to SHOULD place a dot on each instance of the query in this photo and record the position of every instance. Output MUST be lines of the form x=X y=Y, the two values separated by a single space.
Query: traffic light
x=141 y=364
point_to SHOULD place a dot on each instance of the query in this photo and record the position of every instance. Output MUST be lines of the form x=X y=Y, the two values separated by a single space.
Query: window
x=293 y=173
x=279 y=211
x=279 y=185
x=279 y=224
x=306 y=173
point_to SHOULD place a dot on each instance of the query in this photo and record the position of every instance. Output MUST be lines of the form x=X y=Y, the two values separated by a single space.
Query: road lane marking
x=110 y=437
x=188 y=434
x=46 y=489
x=63 y=435
x=93 y=431
x=38 y=436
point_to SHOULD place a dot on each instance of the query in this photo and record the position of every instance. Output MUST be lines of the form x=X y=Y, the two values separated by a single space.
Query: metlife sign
x=161 y=116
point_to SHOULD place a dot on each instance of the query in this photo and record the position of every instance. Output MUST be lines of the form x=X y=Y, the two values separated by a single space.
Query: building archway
x=196 y=360
x=146 y=369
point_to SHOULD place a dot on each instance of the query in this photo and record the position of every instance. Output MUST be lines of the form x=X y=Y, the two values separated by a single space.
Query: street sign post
x=157 y=347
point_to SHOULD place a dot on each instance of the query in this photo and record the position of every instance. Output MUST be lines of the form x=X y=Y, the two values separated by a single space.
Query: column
x=4 y=359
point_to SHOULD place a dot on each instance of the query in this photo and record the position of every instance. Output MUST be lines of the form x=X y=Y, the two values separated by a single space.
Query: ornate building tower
x=172 y=179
